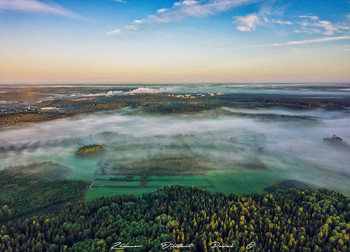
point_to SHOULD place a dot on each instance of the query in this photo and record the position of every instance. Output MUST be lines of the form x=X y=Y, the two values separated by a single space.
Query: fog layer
x=212 y=142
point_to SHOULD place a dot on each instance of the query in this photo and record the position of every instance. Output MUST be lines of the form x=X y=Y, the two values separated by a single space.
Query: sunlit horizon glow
x=164 y=41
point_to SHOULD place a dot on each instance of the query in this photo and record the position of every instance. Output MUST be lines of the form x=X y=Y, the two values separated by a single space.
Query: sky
x=183 y=41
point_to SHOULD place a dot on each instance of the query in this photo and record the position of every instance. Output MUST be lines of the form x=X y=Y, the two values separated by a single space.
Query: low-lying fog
x=289 y=148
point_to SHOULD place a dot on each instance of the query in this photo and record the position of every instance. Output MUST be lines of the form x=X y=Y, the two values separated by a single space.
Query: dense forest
x=286 y=220
x=36 y=188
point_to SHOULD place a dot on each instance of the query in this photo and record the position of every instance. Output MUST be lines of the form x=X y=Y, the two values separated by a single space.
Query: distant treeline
x=289 y=220
x=164 y=104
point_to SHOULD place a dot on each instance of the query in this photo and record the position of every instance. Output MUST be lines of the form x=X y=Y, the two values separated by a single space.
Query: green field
x=115 y=177
x=116 y=183
x=239 y=181
x=185 y=183
x=226 y=181
x=178 y=177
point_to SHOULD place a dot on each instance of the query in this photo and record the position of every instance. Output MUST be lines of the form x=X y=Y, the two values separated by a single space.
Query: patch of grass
x=240 y=181
x=185 y=183
x=177 y=177
x=116 y=177
x=116 y=183
x=84 y=169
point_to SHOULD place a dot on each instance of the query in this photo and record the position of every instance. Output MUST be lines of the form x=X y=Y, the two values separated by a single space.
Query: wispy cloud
x=35 y=6
x=310 y=31
x=251 y=21
x=162 y=10
x=299 y=42
x=309 y=17
x=188 y=8
x=119 y=1
x=313 y=24
x=327 y=26
x=113 y=33
x=281 y=22
x=247 y=23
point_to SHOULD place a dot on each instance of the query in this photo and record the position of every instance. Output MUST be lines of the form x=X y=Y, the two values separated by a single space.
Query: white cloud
x=119 y=1
x=313 y=24
x=162 y=10
x=301 y=42
x=36 y=6
x=200 y=8
x=188 y=2
x=309 y=30
x=113 y=33
x=151 y=19
x=310 y=17
x=314 y=40
x=329 y=28
x=247 y=23
x=189 y=8
x=281 y=22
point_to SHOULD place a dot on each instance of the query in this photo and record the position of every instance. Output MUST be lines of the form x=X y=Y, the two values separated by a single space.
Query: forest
x=165 y=104
x=286 y=220
x=36 y=188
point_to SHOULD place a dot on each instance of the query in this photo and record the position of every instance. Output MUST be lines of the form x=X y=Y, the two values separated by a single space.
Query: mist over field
x=239 y=150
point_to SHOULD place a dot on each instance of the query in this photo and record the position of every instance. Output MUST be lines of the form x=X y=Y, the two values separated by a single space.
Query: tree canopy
x=280 y=221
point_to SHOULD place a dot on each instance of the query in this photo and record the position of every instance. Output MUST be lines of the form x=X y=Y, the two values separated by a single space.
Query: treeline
x=27 y=194
x=27 y=117
x=289 y=220
x=164 y=104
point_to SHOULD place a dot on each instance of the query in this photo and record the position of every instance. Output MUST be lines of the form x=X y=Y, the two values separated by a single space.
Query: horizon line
x=178 y=83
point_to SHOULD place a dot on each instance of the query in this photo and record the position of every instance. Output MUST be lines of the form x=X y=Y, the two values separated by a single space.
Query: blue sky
x=127 y=41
